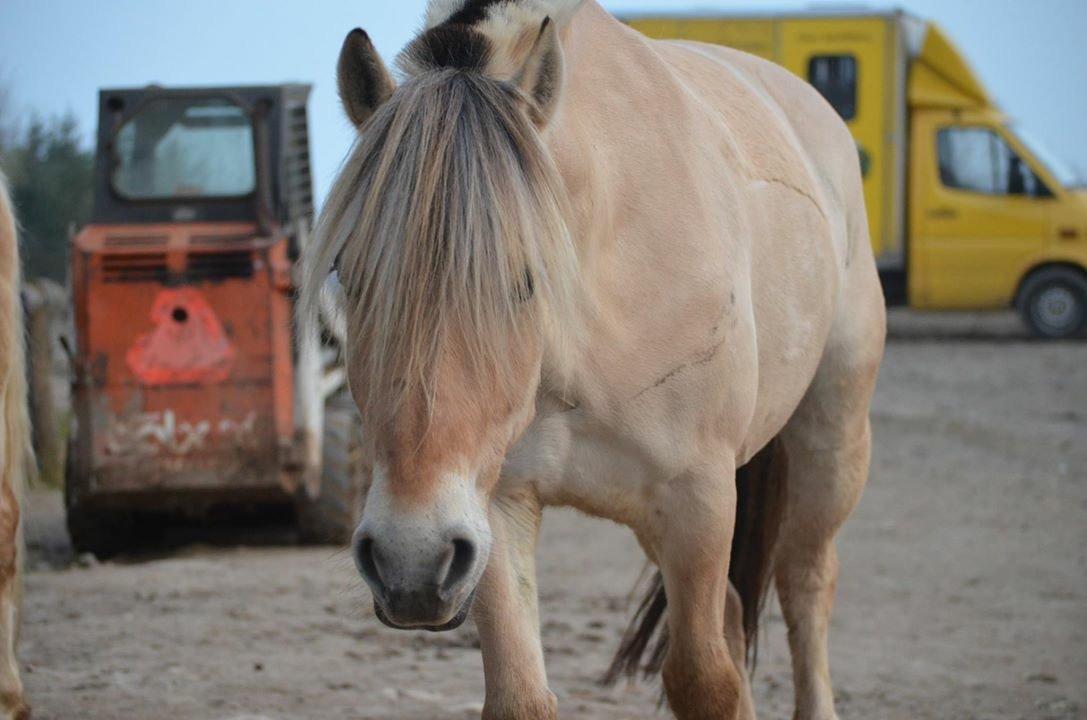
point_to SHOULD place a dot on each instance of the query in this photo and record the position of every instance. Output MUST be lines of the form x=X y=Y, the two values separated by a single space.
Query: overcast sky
x=55 y=54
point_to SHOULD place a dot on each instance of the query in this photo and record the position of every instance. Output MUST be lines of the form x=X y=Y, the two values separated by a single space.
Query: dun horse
x=584 y=268
x=14 y=450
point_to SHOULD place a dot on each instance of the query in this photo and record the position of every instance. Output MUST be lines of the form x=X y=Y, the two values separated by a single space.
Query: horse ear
x=363 y=79
x=540 y=78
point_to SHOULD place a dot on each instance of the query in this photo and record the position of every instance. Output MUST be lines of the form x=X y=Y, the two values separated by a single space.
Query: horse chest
x=571 y=462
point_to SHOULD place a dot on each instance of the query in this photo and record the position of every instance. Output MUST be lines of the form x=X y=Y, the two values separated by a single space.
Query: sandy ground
x=963 y=591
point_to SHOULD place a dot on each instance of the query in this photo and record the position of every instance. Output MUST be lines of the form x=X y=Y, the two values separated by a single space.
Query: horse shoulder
x=805 y=215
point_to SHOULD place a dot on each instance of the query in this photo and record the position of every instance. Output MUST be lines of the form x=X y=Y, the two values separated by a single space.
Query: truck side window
x=835 y=77
x=979 y=160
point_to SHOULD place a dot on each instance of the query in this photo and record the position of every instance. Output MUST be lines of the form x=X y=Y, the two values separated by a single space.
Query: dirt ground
x=963 y=591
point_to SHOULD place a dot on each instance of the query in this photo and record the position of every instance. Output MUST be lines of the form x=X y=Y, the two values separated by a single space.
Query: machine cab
x=182 y=293
x=183 y=150
x=203 y=155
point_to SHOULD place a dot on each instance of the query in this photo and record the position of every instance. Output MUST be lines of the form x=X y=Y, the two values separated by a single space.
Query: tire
x=1053 y=303
x=331 y=517
x=101 y=532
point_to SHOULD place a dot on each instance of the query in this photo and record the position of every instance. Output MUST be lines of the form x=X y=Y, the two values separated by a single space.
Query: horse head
x=447 y=229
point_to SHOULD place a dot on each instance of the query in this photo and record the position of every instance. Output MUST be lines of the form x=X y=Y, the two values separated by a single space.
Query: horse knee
x=9 y=535
x=703 y=683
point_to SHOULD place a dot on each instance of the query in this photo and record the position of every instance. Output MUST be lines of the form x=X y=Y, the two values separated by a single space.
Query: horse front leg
x=694 y=519
x=12 y=706
x=507 y=616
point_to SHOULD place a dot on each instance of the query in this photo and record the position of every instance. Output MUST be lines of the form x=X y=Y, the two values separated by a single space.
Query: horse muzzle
x=415 y=587
x=457 y=620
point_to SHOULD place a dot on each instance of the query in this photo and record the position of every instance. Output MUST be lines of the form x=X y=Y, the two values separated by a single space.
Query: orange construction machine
x=192 y=388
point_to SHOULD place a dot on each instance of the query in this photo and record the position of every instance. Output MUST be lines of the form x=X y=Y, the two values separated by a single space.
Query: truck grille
x=199 y=267
x=219 y=266
x=218 y=239
x=144 y=267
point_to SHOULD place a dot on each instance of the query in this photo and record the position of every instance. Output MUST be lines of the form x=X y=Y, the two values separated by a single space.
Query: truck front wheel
x=1053 y=303
x=92 y=529
x=330 y=518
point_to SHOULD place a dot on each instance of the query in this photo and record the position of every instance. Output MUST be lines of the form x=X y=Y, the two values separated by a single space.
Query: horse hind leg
x=737 y=648
x=828 y=443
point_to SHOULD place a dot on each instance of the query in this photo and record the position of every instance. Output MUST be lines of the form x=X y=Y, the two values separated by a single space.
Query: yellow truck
x=966 y=210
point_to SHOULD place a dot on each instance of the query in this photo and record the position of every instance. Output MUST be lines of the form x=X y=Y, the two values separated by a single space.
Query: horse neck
x=597 y=49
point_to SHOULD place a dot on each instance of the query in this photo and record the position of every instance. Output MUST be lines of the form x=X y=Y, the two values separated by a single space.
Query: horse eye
x=525 y=288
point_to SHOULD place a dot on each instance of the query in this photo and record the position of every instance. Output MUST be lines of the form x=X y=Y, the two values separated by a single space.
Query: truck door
x=856 y=64
x=979 y=210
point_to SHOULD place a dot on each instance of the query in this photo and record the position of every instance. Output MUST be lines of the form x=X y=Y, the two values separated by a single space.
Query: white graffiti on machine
x=154 y=432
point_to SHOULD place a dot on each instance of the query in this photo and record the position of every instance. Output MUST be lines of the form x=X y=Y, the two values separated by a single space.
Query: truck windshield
x=184 y=148
x=1063 y=172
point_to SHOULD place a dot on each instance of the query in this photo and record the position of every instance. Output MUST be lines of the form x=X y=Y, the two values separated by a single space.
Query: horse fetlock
x=523 y=706
x=702 y=684
x=12 y=706
x=826 y=713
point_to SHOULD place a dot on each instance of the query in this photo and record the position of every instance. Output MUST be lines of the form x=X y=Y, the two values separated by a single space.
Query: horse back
x=786 y=132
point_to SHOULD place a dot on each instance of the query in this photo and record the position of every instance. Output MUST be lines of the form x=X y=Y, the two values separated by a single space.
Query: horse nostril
x=460 y=566
x=365 y=555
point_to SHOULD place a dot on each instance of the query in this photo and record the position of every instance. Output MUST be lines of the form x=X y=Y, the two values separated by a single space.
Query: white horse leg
x=828 y=442
x=507 y=615
x=11 y=688
x=696 y=514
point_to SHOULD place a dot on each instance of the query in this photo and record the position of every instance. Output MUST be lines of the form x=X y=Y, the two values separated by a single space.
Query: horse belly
x=795 y=280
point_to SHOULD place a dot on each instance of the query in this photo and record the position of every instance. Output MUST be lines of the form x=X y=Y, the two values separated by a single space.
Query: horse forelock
x=491 y=36
x=447 y=226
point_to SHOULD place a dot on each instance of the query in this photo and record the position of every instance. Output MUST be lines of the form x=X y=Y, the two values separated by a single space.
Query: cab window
x=835 y=77
x=185 y=148
x=979 y=160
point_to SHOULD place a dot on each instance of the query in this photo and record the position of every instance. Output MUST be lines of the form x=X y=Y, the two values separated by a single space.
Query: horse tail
x=760 y=510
